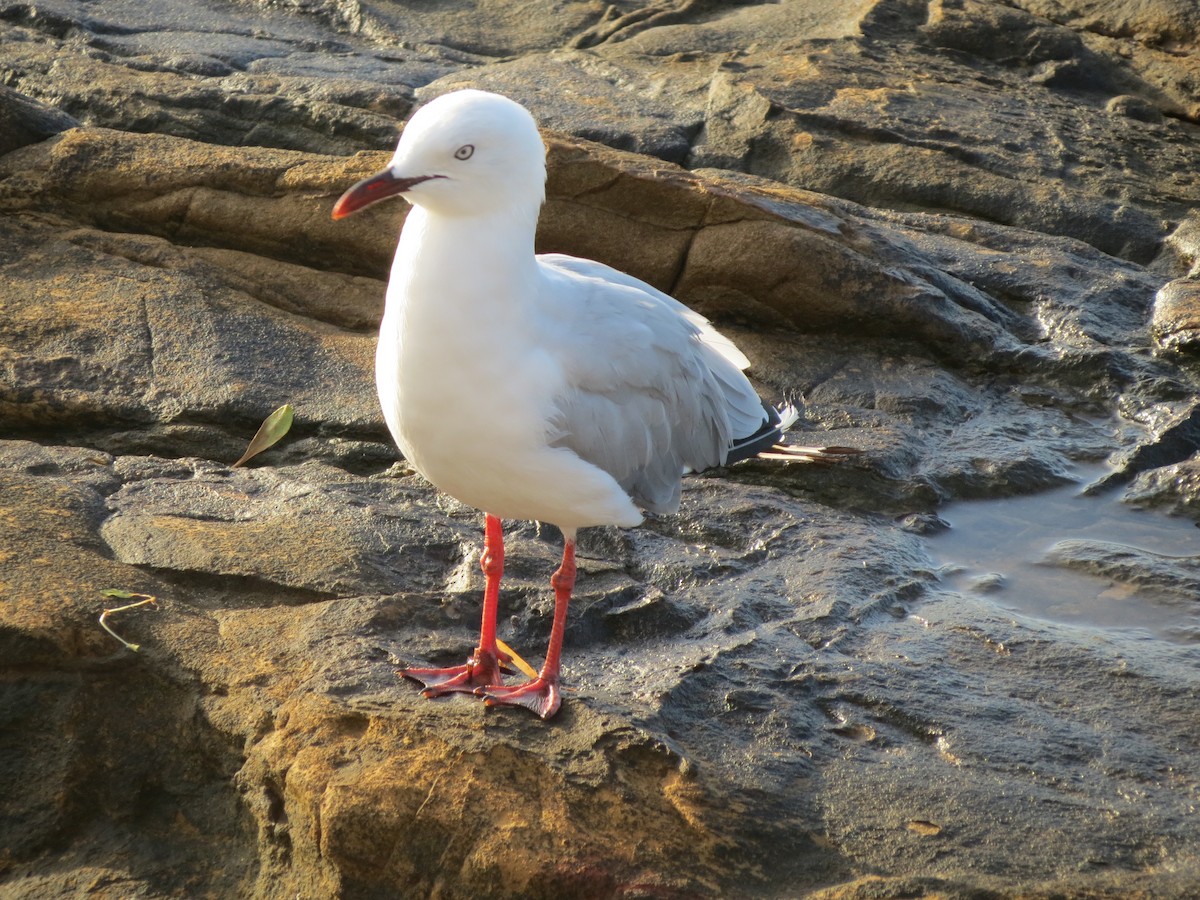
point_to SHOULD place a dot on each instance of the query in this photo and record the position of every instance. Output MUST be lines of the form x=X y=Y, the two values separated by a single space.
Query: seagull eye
x=464 y=152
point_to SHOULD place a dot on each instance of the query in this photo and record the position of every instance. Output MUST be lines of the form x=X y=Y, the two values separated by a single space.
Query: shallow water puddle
x=1010 y=551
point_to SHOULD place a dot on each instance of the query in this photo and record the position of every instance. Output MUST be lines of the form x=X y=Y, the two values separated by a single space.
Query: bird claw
x=481 y=677
x=538 y=695
x=481 y=670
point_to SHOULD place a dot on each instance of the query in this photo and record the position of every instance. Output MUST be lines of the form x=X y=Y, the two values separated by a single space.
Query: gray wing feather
x=650 y=389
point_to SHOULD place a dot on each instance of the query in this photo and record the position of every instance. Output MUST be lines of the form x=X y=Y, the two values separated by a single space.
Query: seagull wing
x=649 y=388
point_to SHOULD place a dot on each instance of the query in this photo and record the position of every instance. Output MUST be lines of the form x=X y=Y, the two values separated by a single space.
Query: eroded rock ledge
x=774 y=693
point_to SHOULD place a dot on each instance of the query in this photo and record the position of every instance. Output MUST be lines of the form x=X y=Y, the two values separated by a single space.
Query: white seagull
x=541 y=387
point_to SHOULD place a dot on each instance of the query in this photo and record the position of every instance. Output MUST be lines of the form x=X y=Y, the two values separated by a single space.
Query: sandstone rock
x=1006 y=119
x=1134 y=108
x=719 y=750
x=1151 y=40
x=107 y=338
x=774 y=693
x=236 y=78
x=712 y=240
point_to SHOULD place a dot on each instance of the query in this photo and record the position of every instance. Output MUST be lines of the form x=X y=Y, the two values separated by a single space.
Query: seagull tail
x=788 y=416
x=767 y=442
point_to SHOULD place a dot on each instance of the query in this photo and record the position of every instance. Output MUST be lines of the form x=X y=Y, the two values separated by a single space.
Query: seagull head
x=465 y=153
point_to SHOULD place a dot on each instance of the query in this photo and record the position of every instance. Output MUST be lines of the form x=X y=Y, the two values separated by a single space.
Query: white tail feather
x=788 y=416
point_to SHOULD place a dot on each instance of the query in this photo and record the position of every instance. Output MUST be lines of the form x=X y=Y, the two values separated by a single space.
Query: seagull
x=538 y=387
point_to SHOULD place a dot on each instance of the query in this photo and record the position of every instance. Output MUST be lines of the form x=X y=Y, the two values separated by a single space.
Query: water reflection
x=1012 y=552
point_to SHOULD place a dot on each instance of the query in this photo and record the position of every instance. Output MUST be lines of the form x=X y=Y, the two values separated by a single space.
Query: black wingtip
x=768 y=434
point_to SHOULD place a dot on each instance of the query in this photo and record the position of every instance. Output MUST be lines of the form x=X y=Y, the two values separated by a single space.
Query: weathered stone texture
x=958 y=234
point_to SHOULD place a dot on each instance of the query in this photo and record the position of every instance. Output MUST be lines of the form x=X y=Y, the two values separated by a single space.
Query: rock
x=1174 y=488
x=938 y=229
x=579 y=94
x=1172 y=434
x=338 y=764
x=1181 y=250
x=1171 y=579
x=253 y=200
x=710 y=239
x=1176 y=322
x=1002 y=34
x=237 y=78
x=106 y=338
x=1147 y=40
x=1134 y=108
x=1161 y=588
x=23 y=120
x=817 y=97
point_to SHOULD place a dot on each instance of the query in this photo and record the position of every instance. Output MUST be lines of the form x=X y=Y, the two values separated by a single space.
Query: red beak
x=373 y=189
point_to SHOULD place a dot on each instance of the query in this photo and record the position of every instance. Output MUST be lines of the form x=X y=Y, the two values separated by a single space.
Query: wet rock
x=1176 y=322
x=769 y=694
x=801 y=668
x=1169 y=579
x=1181 y=250
x=923 y=523
x=177 y=518
x=1158 y=588
x=991 y=583
x=1172 y=434
x=1173 y=488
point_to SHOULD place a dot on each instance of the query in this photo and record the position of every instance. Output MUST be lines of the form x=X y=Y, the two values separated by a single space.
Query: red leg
x=483 y=668
x=542 y=694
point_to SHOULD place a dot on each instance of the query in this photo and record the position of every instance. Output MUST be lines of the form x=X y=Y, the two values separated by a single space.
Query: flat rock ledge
x=959 y=235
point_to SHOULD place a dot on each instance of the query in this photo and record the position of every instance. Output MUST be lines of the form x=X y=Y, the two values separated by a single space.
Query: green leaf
x=119 y=594
x=273 y=428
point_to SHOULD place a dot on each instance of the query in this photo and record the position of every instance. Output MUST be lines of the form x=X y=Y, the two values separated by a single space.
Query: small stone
x=990 y=583
x=923 y=523
x=1176 y=321
x=1134 y=108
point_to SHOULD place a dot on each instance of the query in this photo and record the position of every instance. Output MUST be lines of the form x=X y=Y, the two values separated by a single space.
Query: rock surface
x=958 y=233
